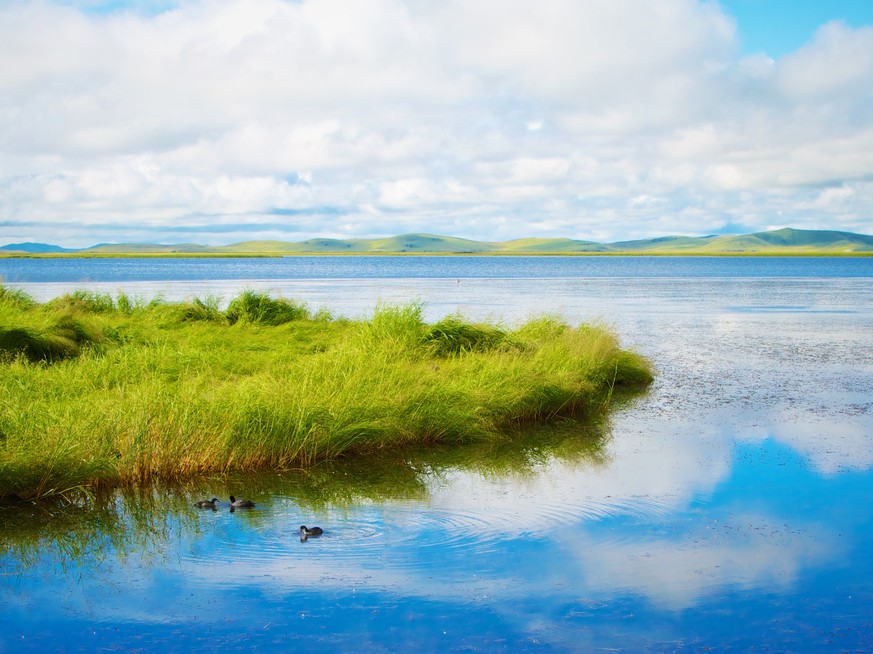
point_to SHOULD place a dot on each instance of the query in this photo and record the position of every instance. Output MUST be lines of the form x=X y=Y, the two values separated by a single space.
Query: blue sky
x=778 y=27
x=223 y=121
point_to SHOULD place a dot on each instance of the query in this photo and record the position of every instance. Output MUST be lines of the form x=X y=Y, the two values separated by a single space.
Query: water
x=727 y=509
x=77 y=270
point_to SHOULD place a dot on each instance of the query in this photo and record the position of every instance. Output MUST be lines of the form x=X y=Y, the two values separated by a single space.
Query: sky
x=220 y=121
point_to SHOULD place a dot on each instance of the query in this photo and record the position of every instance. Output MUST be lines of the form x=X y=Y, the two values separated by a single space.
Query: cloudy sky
x=217 y=121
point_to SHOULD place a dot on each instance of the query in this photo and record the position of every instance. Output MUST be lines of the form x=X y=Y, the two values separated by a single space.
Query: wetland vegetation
x=88 y=528
x=101 y=391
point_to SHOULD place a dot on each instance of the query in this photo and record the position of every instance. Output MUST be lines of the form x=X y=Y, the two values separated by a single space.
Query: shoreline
x=282 y=255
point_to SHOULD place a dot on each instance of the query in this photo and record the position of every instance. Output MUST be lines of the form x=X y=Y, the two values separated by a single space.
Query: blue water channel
x=727 y=509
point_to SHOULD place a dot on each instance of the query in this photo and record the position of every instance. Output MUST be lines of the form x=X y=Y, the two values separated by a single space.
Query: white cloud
x=836 y=62
x=830 y=450
x=753 y=551
x=543 y=118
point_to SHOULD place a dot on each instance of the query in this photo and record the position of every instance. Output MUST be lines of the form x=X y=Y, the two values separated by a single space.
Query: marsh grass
x=62 y=337
x=206 y=309
x=15 y=297
x=76 y=528
x=453 y=336
x=142 y=392
x=84 y=302
x=262 y=309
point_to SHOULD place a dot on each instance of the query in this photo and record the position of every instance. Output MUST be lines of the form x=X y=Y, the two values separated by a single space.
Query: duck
x=240 y=504
x=306 y=532
x=207 y=504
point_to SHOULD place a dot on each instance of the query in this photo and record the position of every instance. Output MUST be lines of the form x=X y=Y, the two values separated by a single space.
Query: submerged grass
x=100 y=391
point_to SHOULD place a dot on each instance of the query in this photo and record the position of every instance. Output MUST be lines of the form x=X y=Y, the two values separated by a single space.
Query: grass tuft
x=206 y=309
x=453 y=336
x=260 y=308
x=16 y=297
x=63 y=339
x=83 y=302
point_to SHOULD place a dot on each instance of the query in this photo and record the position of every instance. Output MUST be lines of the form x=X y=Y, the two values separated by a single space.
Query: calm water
x=728 y=509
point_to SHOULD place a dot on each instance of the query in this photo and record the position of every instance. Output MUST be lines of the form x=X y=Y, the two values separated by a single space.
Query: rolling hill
x=782 y=241
x=34 y=248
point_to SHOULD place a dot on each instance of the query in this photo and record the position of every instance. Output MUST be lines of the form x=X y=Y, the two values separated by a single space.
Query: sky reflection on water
x=728 y=508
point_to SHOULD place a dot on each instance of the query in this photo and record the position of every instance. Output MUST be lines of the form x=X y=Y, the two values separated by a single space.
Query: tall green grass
x=262 y=309
x=165 y=391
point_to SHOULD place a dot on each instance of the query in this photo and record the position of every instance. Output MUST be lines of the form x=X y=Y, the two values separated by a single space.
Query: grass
x=135 y=519
x=99 y=391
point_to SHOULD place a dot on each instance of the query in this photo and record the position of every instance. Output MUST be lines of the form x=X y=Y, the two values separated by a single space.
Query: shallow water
x=728 y=508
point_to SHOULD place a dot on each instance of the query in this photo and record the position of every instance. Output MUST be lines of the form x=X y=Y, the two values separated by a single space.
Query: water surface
x=729 y=508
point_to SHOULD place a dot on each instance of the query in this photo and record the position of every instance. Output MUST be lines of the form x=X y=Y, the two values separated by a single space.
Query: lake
x=728 y=508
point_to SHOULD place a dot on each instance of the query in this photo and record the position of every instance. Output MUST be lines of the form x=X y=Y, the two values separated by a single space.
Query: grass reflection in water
x=152 y=520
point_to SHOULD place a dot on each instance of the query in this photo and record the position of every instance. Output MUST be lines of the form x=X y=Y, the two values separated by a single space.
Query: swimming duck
x=207 y=504
x=241 y=504
x=306 y=532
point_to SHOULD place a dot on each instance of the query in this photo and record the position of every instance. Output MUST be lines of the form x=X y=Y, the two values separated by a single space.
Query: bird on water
x=207 y=504
x=241 y=504
x=306 y=532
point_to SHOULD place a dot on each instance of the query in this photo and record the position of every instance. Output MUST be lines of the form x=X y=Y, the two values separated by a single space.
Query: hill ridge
x=780 y=241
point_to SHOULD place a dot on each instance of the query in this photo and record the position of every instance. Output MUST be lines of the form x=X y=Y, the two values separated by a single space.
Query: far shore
x=786 y=242
x=280 y=255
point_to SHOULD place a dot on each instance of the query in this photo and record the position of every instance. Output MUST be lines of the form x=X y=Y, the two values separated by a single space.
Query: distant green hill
x=429 y=243
x=818 y=239
x=823 y=241
x=33 y=248
x=551 y=246
x=664 y=243
x=145 y=248
x=781 y=241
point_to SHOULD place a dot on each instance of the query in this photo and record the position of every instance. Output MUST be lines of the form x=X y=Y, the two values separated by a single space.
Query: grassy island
x=100 y=390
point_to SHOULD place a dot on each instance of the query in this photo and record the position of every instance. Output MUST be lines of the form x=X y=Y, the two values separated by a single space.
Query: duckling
x=207 y=504
x=240 y=504
x=306 y=532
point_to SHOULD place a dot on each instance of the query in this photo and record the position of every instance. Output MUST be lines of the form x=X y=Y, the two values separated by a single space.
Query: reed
x=167 y=391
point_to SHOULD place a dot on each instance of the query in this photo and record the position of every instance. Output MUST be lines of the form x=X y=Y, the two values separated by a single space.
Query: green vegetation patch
x=453 y=336
x=263 y=309
x=99 y=390
x=63 y=338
